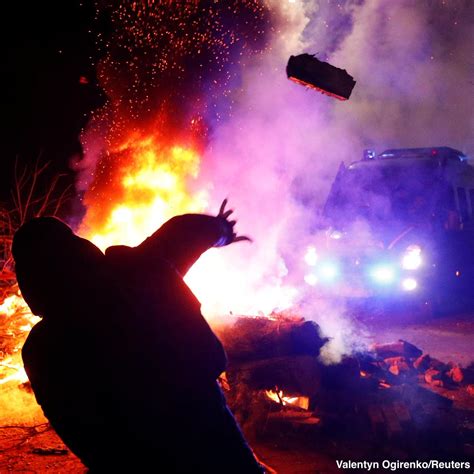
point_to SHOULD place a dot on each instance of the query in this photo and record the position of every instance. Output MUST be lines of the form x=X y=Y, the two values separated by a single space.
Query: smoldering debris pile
x=391 y=398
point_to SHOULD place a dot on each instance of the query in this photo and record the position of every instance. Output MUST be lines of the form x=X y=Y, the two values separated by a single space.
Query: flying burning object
x=307 y=70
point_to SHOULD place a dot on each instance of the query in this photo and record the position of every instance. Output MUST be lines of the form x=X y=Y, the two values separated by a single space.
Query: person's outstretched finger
x=242 y=238
x=223 y=205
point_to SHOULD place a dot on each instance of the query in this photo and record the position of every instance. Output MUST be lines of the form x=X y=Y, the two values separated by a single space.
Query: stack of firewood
x=385 y=392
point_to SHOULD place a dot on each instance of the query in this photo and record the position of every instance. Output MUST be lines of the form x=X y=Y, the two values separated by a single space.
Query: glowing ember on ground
x=278 y=397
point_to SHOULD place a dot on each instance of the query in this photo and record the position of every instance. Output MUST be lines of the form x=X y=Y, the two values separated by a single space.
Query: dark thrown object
x=309 y=71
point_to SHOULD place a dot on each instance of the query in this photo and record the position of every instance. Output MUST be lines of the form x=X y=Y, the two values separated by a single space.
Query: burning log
x=273 y=371
x=398 y=365
x=307 y=70
x=252 y=339
x=297 y=375
x=434 y=377
x=276 y=384
x=456 y=374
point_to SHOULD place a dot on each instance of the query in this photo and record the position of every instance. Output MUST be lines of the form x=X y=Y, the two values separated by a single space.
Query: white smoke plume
x=278 y=152
x=276 y=156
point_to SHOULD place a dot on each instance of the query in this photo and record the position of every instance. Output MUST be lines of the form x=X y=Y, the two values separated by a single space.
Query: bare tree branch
x=26 y=202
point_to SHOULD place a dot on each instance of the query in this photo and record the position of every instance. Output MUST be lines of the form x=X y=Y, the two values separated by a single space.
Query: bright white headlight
x=409 y=284
x=383 y=274
x=328 y=271
x=411 y=260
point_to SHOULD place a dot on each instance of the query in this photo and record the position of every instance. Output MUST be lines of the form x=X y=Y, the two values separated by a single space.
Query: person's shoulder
x=119 y=252
x=35 y=338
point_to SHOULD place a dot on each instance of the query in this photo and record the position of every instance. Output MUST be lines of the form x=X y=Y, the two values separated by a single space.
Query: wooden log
x=456 y=374
x=417 y=397
x=422 y=363
x=251 y=339
x=398 y=365
x=344 y=376
x=434 y=377
x=395 y=349
x=299 y=375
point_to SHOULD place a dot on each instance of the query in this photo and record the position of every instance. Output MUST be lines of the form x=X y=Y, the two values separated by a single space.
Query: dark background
x=47 y=47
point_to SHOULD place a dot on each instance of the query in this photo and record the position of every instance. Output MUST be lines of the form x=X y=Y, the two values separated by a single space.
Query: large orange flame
x=151 y=183
x=148 y=189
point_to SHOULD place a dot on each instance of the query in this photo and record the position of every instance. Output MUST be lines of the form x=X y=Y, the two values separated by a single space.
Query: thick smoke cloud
x=277 y=148
x=277 y=155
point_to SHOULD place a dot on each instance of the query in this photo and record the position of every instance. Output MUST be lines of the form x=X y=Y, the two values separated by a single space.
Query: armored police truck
x=399 y=228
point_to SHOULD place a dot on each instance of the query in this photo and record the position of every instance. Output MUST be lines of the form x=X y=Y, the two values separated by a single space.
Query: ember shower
x=167 y=65
x=170 y=71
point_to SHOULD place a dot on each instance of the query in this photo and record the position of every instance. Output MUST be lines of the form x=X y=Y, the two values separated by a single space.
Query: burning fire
x=152 y=184
x=169 y=71
x=148 y=189
x=162 y=73
x=278 y=397
x=18 y=321
x=17 y=404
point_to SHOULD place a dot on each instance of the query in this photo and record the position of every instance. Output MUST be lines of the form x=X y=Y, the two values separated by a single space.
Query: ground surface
x=448 y=338
x=37 y=449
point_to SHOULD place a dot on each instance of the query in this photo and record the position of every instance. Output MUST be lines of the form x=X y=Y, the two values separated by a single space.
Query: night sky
x=47 y=48
x=50 y=79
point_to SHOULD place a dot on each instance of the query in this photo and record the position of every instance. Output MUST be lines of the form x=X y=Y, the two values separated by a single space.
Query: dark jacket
x=123 y=364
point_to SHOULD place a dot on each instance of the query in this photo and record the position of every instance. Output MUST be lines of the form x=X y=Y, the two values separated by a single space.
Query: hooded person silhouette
x=123 y=363
x=62 y=353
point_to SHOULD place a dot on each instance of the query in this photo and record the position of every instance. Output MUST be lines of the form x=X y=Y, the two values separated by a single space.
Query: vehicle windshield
x=389 y=193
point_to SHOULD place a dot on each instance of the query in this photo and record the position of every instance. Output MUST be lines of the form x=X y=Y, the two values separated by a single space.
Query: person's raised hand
x=231 y=235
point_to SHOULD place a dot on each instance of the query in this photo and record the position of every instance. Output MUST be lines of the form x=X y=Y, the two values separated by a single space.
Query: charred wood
x=252 y=339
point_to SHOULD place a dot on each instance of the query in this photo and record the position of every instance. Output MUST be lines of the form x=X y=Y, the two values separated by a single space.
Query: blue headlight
x=383 y=274
x=328 y=271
